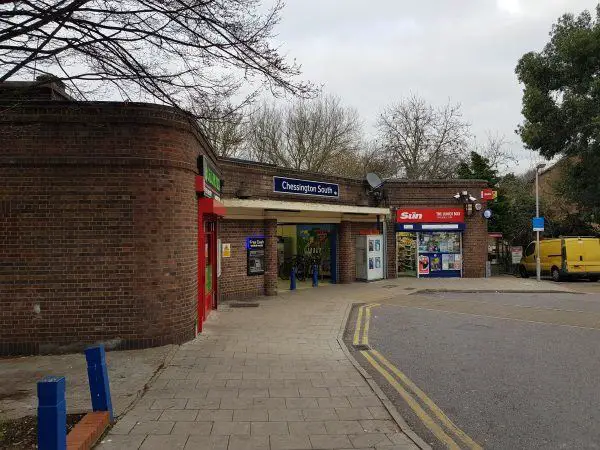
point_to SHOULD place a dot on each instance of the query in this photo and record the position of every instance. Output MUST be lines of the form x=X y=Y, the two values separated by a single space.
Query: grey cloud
x=371 y=54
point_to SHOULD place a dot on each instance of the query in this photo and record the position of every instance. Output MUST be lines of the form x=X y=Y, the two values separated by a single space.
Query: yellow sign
x=226 y=250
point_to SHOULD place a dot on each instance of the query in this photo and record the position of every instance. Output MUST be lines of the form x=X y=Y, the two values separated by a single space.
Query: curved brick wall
x=98 y=223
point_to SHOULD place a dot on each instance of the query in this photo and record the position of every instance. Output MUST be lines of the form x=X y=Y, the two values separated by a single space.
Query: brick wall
x=257 y=179
x=427 y=194
x=234 y=282
x=98 y=231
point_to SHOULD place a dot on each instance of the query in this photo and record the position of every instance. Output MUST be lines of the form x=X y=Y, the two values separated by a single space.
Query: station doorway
x=304 y=247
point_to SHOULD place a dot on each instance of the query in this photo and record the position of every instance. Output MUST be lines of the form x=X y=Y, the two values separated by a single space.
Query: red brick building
x=118 y=224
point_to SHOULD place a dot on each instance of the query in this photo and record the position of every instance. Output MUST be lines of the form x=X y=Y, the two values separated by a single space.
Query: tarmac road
x=512 y=371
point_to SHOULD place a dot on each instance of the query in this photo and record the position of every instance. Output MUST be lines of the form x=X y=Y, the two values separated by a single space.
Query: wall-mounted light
x=467 y=199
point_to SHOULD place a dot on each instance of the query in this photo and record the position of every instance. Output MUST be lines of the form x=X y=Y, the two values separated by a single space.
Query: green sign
x=211 y=178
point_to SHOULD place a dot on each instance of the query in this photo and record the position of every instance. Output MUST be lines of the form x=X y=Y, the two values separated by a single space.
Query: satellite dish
x=374 y=181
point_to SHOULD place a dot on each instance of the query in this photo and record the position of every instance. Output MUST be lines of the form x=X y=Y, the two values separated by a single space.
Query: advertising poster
x=226 y=250
x=256 y=255
x=423 y=265
x=377 y=263
x=370 y=245
x=517 y=254
x=371 y=264
x=436 y=263
x=377 y=245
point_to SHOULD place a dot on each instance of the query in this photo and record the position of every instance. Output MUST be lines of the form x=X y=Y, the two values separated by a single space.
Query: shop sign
x=255 y=247
x=212 y=182
x=430 y=215
x=487 y=194
x=516 y=254
x=295 y=186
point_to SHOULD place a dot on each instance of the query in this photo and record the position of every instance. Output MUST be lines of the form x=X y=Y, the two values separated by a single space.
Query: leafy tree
x=170 y=51
x=561 y=104
x=478 y=168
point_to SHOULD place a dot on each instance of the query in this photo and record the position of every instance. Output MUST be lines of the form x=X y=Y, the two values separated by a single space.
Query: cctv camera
x=457 y=196
x=471 y=198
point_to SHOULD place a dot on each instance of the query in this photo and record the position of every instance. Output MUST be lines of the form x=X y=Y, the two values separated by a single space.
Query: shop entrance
x=432 y=254
x=406 y=251
x=304 y=246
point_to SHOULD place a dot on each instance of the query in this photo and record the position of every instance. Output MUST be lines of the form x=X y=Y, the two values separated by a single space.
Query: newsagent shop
x=120 y=225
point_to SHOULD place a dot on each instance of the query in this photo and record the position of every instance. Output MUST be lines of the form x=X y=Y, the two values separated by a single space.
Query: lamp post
x=538 y=267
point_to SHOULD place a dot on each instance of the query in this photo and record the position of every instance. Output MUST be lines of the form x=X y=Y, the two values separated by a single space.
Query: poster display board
x=255 y=247
x=439 y=254
x=516 y=254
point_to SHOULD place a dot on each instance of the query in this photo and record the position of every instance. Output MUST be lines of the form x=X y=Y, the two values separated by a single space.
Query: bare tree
x=170 y=51
x=495 y=151
x=426 y=141
x=314 y=135
x=224 y=126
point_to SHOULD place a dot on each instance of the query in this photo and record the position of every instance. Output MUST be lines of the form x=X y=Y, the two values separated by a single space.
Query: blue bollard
x=315 y=276
x=52 y=414
x=98 y=378
x=293 y=279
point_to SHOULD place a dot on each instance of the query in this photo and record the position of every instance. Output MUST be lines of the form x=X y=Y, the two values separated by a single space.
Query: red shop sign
x=430 y=215
x=487 y=194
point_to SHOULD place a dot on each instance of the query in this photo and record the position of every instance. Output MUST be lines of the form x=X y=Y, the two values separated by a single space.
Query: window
x=530 y=249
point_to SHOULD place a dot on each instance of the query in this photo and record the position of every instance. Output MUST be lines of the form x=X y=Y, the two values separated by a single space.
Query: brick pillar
x=270 y=256
x=392 y=271
x=475 y=246
x=347 y=253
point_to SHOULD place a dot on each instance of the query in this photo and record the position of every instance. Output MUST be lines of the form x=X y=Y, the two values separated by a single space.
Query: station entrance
x=306 y=248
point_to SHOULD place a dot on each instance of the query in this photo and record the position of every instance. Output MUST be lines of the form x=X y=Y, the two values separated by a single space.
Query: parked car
x=567 y=257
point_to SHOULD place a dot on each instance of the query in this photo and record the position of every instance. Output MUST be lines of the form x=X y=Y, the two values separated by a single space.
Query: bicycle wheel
x=301 y=271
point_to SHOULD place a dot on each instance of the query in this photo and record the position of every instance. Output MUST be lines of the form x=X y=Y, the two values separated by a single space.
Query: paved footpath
x=272 y=377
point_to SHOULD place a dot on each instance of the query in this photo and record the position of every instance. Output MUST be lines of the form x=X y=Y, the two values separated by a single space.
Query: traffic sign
x=537 y=223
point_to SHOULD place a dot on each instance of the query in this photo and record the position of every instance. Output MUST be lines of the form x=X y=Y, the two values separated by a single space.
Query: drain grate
x=361 y=347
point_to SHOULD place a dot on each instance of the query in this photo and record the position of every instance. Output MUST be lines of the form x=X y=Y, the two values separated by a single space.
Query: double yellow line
x=434 y=419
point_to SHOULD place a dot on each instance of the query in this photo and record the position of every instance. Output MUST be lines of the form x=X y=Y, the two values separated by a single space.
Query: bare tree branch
x=171 y=51
x=426 y=142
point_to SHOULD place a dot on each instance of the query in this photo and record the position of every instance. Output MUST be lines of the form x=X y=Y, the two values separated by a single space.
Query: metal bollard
x=293 y=279
x=52 y=414
x=98 y=378
x=315 y=281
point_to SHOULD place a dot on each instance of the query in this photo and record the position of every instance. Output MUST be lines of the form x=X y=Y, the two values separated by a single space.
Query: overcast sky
x=373 y=53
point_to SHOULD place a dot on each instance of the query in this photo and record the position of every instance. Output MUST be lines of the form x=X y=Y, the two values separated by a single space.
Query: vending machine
x=369 y=257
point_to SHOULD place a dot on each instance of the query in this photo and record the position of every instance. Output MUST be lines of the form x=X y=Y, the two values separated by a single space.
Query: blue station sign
x=285 y=185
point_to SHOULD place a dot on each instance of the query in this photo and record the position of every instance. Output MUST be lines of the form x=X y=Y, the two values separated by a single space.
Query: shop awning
x=301 y=211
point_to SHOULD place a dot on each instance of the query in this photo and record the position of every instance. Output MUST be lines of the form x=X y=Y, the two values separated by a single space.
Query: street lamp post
x=538 y=266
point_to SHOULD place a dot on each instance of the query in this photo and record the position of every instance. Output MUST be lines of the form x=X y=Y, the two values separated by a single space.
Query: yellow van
x=567 y=257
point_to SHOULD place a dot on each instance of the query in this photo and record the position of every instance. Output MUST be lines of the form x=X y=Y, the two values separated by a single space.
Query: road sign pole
x=538 y=268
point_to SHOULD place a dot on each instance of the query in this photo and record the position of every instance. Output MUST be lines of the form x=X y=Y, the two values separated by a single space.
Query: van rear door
x=591 y=255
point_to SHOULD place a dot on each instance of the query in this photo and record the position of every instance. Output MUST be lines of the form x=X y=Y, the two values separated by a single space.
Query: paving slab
x=273 y=377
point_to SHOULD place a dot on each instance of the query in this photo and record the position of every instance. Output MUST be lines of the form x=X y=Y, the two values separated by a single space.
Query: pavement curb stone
x=492 y=291
x=369 y=379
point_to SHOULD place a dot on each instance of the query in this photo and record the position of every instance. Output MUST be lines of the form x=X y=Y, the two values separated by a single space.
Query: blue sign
x=255 y=243
x=537 y=223
x=305 y=187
